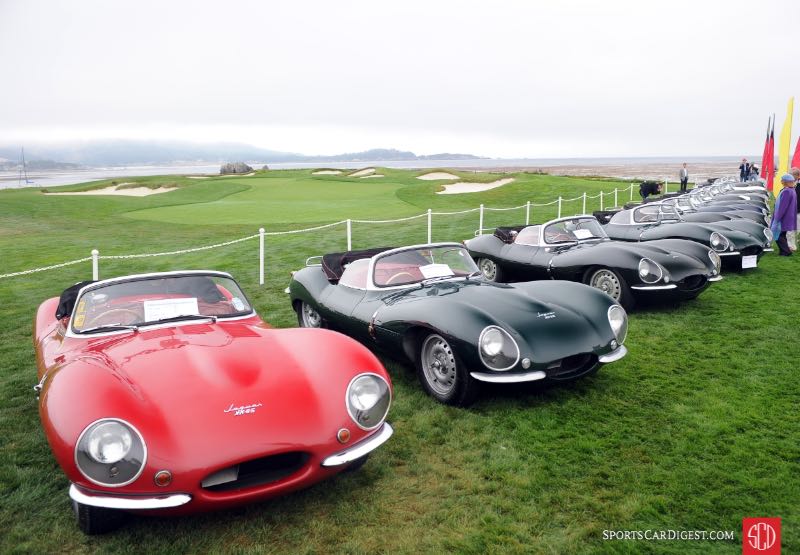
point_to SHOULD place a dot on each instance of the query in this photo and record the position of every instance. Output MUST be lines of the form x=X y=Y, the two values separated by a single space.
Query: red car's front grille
x=256 y=472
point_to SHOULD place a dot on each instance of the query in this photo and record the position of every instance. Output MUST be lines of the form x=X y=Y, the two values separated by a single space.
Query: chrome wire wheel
x=438 y=365
x=488 y=268
x=607 y=282
x=309 y=318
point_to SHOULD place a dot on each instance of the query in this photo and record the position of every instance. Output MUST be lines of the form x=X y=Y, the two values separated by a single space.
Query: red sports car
x=166 y=393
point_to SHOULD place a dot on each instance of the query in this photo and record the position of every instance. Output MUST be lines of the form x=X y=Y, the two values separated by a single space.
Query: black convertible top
x=333 y=263
x=604 y=216
x=67 y=301
x=506 y=234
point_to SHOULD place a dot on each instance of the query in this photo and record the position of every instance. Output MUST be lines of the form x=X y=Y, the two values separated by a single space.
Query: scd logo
x=761 y=536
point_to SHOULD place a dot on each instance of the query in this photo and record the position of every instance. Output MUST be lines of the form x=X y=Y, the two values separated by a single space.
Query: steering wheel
x=397 y=275
x=132 y=317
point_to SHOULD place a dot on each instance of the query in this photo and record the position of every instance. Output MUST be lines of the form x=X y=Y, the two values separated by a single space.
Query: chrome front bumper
x=654 y=287
x=360 y=449
x=509 y=378
x=718 y=277
x=614 y=355
x=730 y=253
x=128 y=502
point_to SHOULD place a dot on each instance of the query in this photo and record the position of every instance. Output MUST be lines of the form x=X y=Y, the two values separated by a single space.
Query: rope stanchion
x=46 y=268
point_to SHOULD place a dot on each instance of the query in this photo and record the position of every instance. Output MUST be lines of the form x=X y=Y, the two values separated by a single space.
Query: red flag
x=796 y=157
x=771 y=158
x=766 y=152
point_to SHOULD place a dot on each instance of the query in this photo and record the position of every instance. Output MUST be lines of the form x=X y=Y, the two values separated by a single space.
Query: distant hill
x=130 y=152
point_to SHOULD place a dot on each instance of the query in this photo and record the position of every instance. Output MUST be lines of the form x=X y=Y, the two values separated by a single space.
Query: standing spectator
x=684 y=178
x=784 y=219
x=753 y=172
x=744 y=170
x=793 y=244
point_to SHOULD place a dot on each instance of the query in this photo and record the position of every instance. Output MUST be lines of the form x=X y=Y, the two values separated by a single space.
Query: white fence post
x=601 y=200
x=349 y=235
x=616 y=202
x=631 y=192
x=261 y=256
x=528 y=213
x=559 y=207
x=95 y=264
x=480 y=222
x=584 y=203
x=429 y=226
x=666 y=186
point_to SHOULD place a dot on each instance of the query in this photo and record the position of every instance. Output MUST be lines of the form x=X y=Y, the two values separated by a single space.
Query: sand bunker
x=326 y=172
x=373 y=175
x=433 y=176
x=466 y=187
x=115 y=190
x=362 y=173
x=198 y=176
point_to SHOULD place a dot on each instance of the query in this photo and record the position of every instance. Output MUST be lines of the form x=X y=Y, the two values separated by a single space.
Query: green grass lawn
x=695 y=429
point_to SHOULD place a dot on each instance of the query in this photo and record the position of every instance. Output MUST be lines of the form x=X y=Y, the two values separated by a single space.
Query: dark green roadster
x=429 y=303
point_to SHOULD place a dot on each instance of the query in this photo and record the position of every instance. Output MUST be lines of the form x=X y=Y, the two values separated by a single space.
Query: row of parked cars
x=167 y=394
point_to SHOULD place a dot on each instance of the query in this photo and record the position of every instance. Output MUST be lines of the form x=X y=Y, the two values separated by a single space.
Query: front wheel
x=97 y=520
x=612 y=284
x=442 y=374
x=308 y=317
x=490 y=270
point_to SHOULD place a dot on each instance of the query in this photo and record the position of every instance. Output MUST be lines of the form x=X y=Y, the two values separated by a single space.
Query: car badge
x=242 y=410
x=546 y=315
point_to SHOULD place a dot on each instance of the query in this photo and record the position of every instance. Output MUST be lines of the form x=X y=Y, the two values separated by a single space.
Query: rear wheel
x=442 y=374
x=612 y=284
x=490 y=270
x=308 y=317
x=97 y=520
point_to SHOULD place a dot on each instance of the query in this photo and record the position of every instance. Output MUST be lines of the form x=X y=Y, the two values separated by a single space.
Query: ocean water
x=625 y=168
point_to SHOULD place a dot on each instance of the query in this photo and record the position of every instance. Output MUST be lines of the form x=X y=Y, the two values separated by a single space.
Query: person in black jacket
x=744 y=170
x=647 y=188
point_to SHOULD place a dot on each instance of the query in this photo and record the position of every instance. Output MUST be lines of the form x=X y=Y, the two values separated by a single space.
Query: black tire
x=97 y=520
x=442 y=374
x=611 y=283
x=306 y=318
x=490 y=269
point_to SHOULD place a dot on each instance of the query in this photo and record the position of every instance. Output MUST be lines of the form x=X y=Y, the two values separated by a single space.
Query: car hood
x=553 y=319
x=225 y=391
x=701 y=231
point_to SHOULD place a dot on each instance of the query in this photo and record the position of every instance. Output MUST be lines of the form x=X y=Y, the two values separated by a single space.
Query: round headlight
x=715 y=260
x=719 y=242
x=110 y=452
x=497 y=349
x=618 y=321
x=368 y=400
x=650 y=271
x=492 y=342
x=109 y=442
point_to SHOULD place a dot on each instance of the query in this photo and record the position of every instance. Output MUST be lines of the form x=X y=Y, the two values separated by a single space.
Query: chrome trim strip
x=769 y=249
x=715 y=278
x=126 y=503
x=614 y=355
x=653 y=287
x=360 y=449
x=729 y=253
x=509 y=378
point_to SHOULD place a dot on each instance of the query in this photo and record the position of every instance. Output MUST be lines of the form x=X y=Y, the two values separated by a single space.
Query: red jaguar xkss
x=166 y=393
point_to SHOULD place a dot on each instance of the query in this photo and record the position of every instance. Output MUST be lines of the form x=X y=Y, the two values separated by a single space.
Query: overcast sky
x=504 y=79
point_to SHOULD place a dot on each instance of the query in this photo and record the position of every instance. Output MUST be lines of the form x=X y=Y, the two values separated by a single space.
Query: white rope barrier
x=95 y=255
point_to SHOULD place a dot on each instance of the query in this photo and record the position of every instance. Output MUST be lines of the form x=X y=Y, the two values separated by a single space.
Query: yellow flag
x=784 y=145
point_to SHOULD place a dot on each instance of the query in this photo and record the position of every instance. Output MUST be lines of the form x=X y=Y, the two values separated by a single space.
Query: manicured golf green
x=697 y=428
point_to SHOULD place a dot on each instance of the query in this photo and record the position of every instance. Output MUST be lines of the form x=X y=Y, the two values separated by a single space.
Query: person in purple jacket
x=785 y=217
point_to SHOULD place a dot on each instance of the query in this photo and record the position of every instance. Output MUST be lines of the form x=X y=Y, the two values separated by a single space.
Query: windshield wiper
x=179 y=318
x=428 y=281
x=114 y=327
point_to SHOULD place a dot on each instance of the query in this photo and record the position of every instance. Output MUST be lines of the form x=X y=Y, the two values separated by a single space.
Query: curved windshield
x=570 y=231
x=423 y=263
x=156 y=299
x=654 y=213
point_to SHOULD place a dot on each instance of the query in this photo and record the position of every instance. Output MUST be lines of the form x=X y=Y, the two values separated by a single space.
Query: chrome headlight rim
x=505 y=335
x=654 y=265
x=769 y=235
x=136 y=434
x=623 y=328
x=723 y=241
x=716 y=260
x=350 y=409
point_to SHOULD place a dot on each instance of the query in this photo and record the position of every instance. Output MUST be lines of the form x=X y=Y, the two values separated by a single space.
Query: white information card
x=435 y=270
x=749 y=261
x=169 y=308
